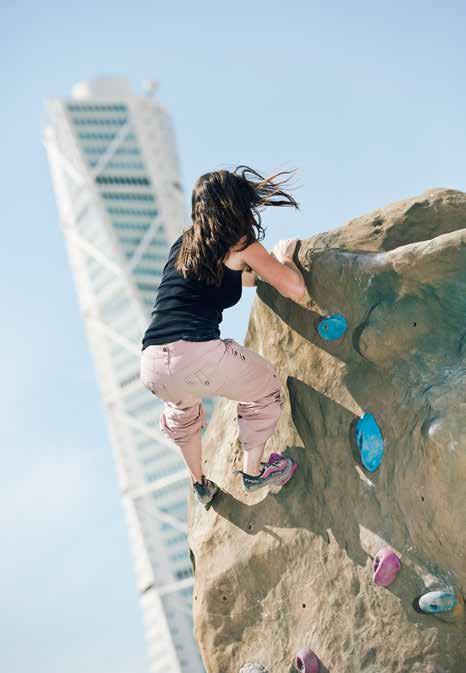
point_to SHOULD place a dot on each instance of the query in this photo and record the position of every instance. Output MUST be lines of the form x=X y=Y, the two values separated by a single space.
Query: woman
x=183 y=356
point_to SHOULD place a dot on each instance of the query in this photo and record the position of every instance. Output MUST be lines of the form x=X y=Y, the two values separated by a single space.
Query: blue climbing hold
x=370 y=442
x=332 y=327
x=437 y=601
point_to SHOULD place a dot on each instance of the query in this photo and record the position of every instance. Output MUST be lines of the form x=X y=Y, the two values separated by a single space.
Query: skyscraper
x=115 y=173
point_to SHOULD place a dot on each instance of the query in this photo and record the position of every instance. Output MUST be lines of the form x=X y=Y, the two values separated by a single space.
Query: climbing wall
x=361 y=557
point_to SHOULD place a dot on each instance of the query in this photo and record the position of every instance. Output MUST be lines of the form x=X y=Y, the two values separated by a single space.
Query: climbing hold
x=306 y=661
x=370 y=442
x=252 y=667
x=438 y=601
x=332 y=327
x=453 y=616
x=385 y=567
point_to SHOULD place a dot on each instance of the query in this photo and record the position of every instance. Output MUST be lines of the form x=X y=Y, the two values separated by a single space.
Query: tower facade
x=116 y=177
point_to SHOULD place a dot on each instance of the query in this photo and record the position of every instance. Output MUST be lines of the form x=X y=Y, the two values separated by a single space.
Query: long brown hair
x=225 y=205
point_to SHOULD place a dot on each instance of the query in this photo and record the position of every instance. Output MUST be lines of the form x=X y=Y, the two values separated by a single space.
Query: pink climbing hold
x=385 y=567
x=306 y=661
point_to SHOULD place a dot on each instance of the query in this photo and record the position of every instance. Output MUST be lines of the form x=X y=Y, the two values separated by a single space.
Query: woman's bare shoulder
x=235 y=256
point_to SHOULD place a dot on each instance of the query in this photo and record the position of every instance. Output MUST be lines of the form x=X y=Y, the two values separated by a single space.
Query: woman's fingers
x=285 y=248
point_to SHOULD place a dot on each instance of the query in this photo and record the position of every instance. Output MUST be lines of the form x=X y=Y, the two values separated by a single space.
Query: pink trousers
x=183 y=372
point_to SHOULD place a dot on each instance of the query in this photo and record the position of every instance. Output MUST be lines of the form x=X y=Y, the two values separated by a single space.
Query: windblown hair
x=225 y=206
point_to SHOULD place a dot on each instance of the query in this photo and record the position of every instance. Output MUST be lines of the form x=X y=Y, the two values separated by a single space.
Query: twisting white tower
x=115 y=172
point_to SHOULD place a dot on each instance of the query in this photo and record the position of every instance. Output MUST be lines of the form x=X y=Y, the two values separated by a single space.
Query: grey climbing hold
x=253 y=667
x=332 y=327
x=370 y=442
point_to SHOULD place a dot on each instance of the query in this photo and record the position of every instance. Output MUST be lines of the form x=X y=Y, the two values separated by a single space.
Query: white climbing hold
x=438 y=601
x=253 y=667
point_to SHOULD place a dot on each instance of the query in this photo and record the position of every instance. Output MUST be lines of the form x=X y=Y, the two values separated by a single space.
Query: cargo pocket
x=235 y=348
x=199 y=377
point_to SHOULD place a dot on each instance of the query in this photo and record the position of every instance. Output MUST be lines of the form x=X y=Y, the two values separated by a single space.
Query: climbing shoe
x=206 y=491
x=278 y=470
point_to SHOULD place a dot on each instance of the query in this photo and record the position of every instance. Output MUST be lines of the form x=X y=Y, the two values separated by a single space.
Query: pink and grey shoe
x=277 y=470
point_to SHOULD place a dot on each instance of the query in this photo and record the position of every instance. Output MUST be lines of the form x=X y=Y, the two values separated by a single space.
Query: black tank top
x=190 y=309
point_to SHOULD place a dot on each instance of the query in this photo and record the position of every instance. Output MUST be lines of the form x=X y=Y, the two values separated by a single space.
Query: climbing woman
x=183 y=355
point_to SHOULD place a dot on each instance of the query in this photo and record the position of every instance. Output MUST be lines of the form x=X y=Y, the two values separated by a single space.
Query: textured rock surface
x=276 y=571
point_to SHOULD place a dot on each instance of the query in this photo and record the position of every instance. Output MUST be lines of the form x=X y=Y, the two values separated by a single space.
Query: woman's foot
x=205 y=491
x=278 y=470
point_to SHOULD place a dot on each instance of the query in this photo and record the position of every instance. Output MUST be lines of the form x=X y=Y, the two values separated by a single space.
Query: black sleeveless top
x=190 y=309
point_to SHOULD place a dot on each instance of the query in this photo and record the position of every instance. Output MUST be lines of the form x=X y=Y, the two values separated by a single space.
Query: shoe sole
x=285 y=480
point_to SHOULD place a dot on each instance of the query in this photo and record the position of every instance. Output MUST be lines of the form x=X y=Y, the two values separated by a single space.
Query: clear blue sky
x=367 y=101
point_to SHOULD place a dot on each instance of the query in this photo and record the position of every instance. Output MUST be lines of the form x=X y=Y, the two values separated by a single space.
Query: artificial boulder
x=282 y=569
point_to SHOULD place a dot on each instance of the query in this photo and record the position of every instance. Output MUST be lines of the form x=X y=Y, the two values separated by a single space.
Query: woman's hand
x=279 y=271
x=284 y=249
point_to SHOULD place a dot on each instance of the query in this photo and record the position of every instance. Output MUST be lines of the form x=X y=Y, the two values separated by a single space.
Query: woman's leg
x=258 y=419
x=252 y=458
x=182 y=423
x=247 y=376
x=192 y=454
x=221 y=368
x=163 y=372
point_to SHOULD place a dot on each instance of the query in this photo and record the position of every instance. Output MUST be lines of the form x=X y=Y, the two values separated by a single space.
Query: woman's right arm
x=284 y=275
